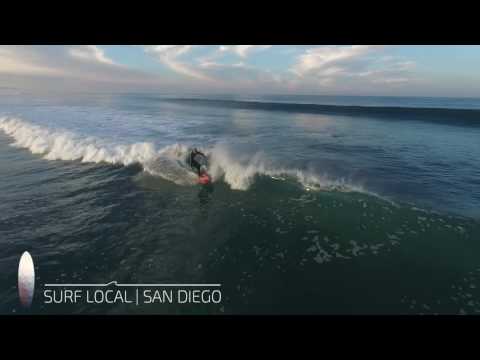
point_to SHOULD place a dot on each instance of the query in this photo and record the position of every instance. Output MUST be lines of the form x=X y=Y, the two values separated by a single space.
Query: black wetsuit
x=196 y=161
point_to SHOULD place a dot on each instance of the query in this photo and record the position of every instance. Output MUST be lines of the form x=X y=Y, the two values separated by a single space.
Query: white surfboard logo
x=26 y=279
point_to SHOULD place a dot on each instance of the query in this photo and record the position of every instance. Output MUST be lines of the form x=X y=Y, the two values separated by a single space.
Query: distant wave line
x=454 y=116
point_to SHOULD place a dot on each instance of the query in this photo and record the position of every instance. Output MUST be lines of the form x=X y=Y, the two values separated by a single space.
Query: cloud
x=328 y=59
x=54 y=60
x=319 y=68
x=207 y=68
x=348 y=68
x=23 y=62
x=228 y=72
x=240 y=76
x=169 y=55
x=220 y=51
x=243 y=50
x=391 y=80
x=69 y=68
x=90 y=53
x=70 y=61
x=391 y=71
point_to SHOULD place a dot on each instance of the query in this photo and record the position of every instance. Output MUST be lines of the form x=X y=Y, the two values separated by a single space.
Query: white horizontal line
x=133 y=285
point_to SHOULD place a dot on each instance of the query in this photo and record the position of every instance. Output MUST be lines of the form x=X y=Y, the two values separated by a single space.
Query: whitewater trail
x=167 y=162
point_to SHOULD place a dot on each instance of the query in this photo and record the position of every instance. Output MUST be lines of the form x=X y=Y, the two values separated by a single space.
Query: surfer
x=198 y=161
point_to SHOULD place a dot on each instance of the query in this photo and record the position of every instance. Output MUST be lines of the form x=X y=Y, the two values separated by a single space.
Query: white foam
x=56 y=144
x=65 y=145
x=167 y=162
x=241 y=174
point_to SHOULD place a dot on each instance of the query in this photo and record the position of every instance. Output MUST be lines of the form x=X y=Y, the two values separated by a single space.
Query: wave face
x=167 y=162
x=464 y=117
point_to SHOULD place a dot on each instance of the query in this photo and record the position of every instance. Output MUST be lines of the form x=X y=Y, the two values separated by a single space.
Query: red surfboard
x=204 y=179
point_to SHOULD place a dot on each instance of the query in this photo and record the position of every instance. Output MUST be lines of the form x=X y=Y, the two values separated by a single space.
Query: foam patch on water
x=168 y=162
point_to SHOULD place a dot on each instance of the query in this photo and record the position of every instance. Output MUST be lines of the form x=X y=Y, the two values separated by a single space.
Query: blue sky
x=420 y=70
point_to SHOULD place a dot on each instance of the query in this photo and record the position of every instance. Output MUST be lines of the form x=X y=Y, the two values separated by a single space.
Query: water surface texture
x=319 y=205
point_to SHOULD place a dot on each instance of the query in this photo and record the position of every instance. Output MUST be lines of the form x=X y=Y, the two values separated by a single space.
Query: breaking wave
x=167 y=162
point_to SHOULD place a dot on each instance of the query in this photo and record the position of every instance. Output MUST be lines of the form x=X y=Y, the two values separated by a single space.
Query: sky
x=400 y=70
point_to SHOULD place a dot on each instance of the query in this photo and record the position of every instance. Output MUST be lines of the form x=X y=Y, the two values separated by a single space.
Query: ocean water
x=319 y=205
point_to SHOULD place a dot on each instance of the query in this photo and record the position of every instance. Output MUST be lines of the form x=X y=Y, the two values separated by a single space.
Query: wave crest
x=168 y=162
